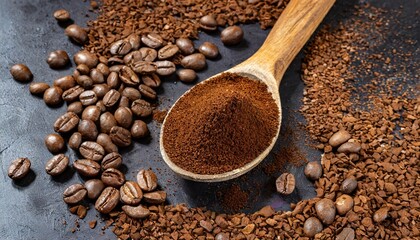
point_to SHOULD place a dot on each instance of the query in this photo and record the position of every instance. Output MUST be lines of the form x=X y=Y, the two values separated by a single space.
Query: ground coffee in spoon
x=221 y=125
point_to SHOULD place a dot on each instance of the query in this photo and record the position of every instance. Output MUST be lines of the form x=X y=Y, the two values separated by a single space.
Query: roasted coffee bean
x=124 y=117
x=134 y=40
x=152 y=40
x=74 y=193
x=55 y=143
x=346 y=234
x=132 y=57
x=72 y=94
x=53 y=96
x=120 y=136
x=196 y=61
x=61 y=15
x=108 y=200
x=113 y=61
x=88 y=130
x=141 y=108
x=83 y=69
x=85 y=57
x=157 y=197
x=75 y=141
x=148 y=54
x=101 y=106
x=92 y=150
x=343 y=204
x=96 y=76
x=143 y=67
x=339 y=138
x=21 y=73
x=147 y=180
x=76 y=107
x=325 y=209
x=208 y=23
x=111 y=98
x=19 y=168
x=151 y=80
x=313 y=170
x=76 y=74
x=285 y=184
x=120 y=47
x=186 y=75
x=106 y=122
x=65 y=82
x=136 y=212
x=128 y=76
x=113 y=177
x=77 y=34
x=112 y=160
x=88 y=97
x=209 y=50
x=232 y=35
x=94 y=188
x=105 y=141
x=381 y=214
x=147 y=92
x=58 y=59
x=104 y=69
x=349 y=185
x=131 y=193
x=57 y=164
x=85 y=81
x=139 y=129
x=124 y=102
x=113 y=81
x=185 y=45
x=131 y=93
x=165 y=68
x=66 y=122
x=349 y=147
x=312 y=226
x=167 y=51
x=87 y=167
x=91 y=113
x=38 y=88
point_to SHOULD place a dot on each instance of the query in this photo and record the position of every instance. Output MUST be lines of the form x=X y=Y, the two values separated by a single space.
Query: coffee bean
x=85 y=81
x=348 y=185
x=139 y=129
x=108 y=200
x=105 y=141
x=209 y=50
x=313 y=170
x=21 y=73
x=151 y=80
x=87 y=167
x=186 y=75
x=152 y=40
x=104 y=69
x=124 y=102
x=19 y=168
x=83 y=69
x=96 y=76
x=94 y=188
x=88 y=130
x=113 y=177
x=75 y=141
x=134 y=40
x=349 y=147
x=196 y=61
x=120 y=47
x=100 y=90
x=208 y=23
x=113 y=81
x=143 y=67
x=72 y=94
x=128 y=76
x=58 y=59
x=111 y=98
x=285 y=184
x=312 y=226
x=339 y=138
x=381 y=214
x=131 y=93
x=147 y=180
x=85 y=57
x=136 y=212
x=148 y=54
x=76 y=73
x=131 y=193
x=157 y=197
x=147 y=92
x=52 y=96
x=168 y=51
x=325 y=209
x=124 y=117
x=141 y=108
x=75 y=107
x=57 y=164
x=106 y=122
x=120 y=136
x=112 y=160
x=74 y=193
x=91 y=113
x=232 y=35
x=55 y=143
x=77 y=34
x=88 y=97
x=185 y=45
x=132 y=57
x=65 y=82
x=92 y=150
x=346 y=234
x=165 y=68
x=61 y=15
x=66 y=122
x=343 y=204
x=101 y=106
x=38 y=88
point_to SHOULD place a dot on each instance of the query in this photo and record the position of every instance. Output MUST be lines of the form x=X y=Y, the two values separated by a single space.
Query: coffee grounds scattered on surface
x=221 y=125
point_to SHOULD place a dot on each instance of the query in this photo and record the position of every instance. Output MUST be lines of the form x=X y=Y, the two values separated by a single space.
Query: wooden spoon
x=290 y=33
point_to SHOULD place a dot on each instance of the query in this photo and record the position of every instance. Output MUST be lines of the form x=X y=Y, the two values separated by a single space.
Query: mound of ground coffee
x=221 y=125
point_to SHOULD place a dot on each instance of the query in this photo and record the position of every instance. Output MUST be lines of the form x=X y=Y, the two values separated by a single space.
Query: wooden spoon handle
x=290 y=33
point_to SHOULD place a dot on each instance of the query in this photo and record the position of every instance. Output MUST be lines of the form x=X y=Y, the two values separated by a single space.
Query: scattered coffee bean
x=124 y=102
x=105 y=141
x=132 y=57
x=75 y=141
x=147 y=180
x=210 y=50
x=87 y=167
x=101 y=106
x=91 y=113
x=88 y=97
x=196 y=61
x=157 y=197
x=38 y=88
x=55 y=143
x=96 y=76
x=343 y=204
x=104 y=69
x=152 y=40
x=85 y=57
x=57 y=164
x=232 y=35
x=88 y=130
x=77 y=34
x=108 y=200
x=141 y=108
x=58 y=59
x=381 y=214
x=325 y=209
x=94 y=188
x=66 y=122
x=74 y=193
x=348 y=185
x=131 y=193
x=139 y=129
x=136 y=212
x=349 y=147
x=165 y=68
x=285 y=184
x=113 y=177
x=151 y=80
x=313 y=170
x=72 y=94
x=113 y=81
x=100 y=90
x=143 y=67
x=21 y=73
x=167 y=51
x=124 y=117
x=312 y=226
x=120 y=47
x=61 y=15
x=19 y=168
x=76 y=107
x=83 y=69
x=52 y=96
x=120 y=136
x=92 y=150
x=111 y=98
x=339 y=138
x=134 y=41
x=346 y=234
x=65 y=82
x=131 y=93
x=185 y=45
x=112 y=160
x=147 y=54
x=208 y=23
x=106 y=122
x=186 y=75
x=147 y=92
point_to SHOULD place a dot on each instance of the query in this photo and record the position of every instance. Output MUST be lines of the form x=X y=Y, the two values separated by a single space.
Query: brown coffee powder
x=221 y=125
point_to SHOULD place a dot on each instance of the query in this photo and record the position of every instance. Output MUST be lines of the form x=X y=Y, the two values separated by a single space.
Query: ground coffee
x=221 y=125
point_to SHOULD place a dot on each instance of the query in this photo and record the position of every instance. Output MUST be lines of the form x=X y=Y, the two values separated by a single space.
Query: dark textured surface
x=33 y=207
